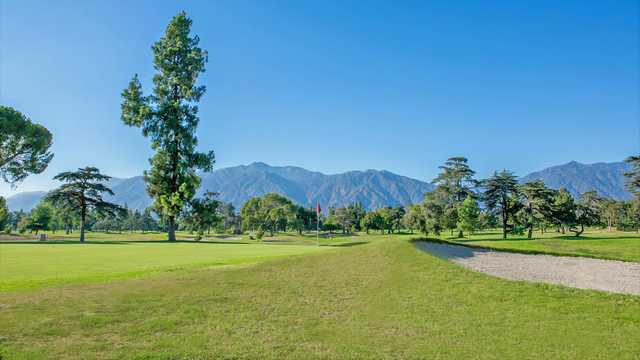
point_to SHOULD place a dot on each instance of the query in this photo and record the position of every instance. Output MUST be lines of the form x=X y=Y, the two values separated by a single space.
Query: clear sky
x=336 y=86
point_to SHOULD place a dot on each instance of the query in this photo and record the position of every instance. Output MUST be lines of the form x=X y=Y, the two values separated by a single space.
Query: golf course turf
x=384 y=299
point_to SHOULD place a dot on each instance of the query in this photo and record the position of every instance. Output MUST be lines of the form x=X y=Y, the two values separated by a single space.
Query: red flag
x=318 y=210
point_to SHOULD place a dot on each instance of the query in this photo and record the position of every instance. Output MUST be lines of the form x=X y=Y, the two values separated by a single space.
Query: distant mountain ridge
x=373 y=188
x=605 y=178
x=237 y=184
x=25 y=200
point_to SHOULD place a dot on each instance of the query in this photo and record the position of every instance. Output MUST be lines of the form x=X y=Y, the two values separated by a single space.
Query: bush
x=518 y=230
x=259 y=234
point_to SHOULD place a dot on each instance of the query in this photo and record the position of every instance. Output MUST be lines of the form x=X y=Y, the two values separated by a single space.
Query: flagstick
x=318 y=227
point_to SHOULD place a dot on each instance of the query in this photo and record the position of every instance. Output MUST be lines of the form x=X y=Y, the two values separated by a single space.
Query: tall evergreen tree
x=82 y=192
x=500 y=191
x=587 y=211
x=453 y=185
x=24 y=146
x=633 y=176
x=456 y=179
x=170 y=118
x=538 y=204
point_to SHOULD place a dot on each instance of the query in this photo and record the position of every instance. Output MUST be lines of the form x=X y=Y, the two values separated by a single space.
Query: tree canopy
x=24 y=146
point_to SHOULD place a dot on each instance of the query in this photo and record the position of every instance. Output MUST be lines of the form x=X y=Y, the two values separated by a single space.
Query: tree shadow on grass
x=595 y=237
x=117 y=242
x=348 y=244
x=562 y=237
x=447 y=251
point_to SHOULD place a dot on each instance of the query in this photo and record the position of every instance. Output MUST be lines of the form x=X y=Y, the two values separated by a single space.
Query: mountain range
x=606 y=178
x=372 y=188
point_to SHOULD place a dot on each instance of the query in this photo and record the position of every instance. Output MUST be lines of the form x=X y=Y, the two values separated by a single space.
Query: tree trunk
x=171 y=228
x=578 y=232
x=504 y=223
x=505 y=217
x=83 y=213
x=530 y=220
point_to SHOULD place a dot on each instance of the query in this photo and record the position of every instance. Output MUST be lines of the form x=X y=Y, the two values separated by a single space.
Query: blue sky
x=336 y=86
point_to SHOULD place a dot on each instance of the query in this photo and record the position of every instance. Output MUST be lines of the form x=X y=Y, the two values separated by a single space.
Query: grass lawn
x=384 y=299
x=30 y=264
x=615 y=245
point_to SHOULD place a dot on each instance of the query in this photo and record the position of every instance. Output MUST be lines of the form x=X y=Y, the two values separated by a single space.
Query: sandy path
x=577 y=272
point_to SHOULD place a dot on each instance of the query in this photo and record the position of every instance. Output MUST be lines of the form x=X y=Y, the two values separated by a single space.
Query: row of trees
x=273 y=213
x=454 y=204
x=202 y=215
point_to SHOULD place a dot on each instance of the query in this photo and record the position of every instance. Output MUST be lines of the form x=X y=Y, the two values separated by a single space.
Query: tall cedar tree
x=456 y=183
x=538 y=203
x=500 y=191
x=169 y=118
x=83 y=192
x=587 y=210
x=633 y=176
x=456 y=179
x=24 y=146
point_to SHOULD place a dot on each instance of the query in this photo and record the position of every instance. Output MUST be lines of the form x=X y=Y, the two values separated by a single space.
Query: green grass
x=29 y=264
x=614 y=245
x=384 y=299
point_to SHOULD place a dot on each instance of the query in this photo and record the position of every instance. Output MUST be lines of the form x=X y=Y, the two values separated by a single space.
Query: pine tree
x=500 y=192
x=82 y=193
x=170 y=118
x=633 y=176
x=538 y=204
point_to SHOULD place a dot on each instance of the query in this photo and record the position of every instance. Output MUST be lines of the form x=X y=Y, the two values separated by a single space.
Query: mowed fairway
x=614 y=245
x=384 y=299
x=34 y=265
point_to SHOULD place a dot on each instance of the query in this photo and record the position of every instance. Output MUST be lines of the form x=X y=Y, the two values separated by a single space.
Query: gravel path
x=577 y=272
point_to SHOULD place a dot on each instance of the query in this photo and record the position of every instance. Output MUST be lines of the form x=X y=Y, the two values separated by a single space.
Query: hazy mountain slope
x=25 y=200
x=130 y=192
x=372 y=188
x=237 y=184
x=606 y=178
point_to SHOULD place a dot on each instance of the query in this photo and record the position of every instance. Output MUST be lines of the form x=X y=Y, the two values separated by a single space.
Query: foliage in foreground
x=24 y=146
